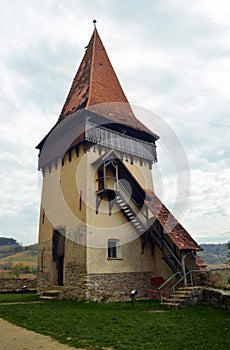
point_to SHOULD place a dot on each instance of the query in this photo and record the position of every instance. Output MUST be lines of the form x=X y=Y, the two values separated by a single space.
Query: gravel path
x=16 y=338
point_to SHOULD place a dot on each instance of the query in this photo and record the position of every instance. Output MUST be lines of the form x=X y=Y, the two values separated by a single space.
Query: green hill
x=26 y=257
x=214 y=254
x=13 y=253
x=9 y=246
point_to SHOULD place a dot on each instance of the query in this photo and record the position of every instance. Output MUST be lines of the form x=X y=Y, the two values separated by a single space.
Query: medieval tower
x=102 y=230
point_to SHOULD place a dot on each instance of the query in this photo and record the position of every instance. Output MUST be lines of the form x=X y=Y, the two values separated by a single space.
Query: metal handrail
x=168 y=280
x=184 y=276
x=141 y=211
x=181 y=279
x=169 y=248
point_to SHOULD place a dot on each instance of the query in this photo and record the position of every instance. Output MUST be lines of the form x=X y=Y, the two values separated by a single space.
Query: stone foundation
x=195 y=297
x=15 y=284
x=217 y=297
x=43 y=281
x=111 y=287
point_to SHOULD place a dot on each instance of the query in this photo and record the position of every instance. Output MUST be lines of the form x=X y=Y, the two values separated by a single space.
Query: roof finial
x=94 y=22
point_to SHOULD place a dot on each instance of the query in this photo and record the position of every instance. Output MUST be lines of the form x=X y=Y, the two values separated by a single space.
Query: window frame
x=113 y=249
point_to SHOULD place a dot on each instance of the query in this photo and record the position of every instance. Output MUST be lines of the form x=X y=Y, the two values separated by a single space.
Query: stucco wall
x=102 y=226
x=62 y=208
x=130 y=259
x=69 y=202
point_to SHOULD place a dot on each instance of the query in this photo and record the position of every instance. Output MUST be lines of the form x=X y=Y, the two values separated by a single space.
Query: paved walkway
x=16 y=338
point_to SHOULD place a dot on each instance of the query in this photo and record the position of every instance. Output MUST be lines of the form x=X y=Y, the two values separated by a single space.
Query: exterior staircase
x=183 y=296
x=56 y=292
x=167 y=253
x=129 y=214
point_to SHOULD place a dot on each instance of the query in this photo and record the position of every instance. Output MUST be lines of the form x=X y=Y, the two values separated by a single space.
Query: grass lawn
x=121 y=326
x=18 y=297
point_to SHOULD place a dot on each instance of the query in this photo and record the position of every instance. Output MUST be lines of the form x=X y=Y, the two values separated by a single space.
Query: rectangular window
x=112 y=248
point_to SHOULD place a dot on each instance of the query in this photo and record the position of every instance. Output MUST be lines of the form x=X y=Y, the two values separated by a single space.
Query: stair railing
x=184 y=277
x=143 y=219
x=166 y=283
x=190 y=274
x=173 y=288
x=120 y=187
x=166 y=244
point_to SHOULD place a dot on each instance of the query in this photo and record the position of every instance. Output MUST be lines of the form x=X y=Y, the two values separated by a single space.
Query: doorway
x=58 y=252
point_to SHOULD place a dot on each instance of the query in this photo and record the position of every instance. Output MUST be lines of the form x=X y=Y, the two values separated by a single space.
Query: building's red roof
x=200 y=262
x=179 y=235
x=96 y=87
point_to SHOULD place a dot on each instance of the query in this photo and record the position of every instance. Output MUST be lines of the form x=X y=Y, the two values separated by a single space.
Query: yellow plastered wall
x=69 y=202
x=101 y=227
x=61 y=206
x=142 y=173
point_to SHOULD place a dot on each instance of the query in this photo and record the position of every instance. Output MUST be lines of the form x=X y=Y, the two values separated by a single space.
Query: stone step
x=187 y=288
x=182 y=294
x=170 y=304
x=56 y=293
x=44 y=297
x=172 y=300
x=56 y=288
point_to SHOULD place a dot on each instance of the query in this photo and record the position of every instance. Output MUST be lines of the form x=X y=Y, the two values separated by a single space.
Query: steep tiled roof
x=200 y=262
x=179 y=235
x=96 y=87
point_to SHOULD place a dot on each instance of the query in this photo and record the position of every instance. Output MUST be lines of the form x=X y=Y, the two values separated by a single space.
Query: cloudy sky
x=172 y=57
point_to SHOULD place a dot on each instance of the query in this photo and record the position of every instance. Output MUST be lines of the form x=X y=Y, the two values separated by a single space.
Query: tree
x=8 y=241
x=17 y=269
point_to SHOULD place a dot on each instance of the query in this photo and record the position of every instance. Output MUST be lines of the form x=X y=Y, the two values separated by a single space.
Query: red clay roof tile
x=97 y=88
x=177 y=232
x=200 y=262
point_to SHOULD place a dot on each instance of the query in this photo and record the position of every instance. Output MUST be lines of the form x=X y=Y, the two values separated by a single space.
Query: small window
x=112 y=248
